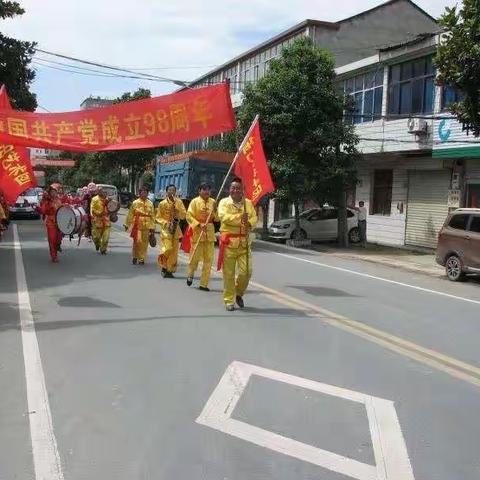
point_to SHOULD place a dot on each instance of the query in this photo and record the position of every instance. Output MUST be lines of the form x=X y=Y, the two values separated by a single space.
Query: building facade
x=418 y=163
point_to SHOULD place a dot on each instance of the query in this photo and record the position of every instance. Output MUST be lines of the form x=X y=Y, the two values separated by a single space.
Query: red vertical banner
x=16 y=172
x=252 y=166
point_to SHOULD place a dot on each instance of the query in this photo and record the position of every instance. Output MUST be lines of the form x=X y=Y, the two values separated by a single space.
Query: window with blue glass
x=451 y=95
x=366 y=91
x=411 y=87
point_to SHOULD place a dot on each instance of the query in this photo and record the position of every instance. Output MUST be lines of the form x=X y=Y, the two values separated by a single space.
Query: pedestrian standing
x=362 y=223
x=48 y=208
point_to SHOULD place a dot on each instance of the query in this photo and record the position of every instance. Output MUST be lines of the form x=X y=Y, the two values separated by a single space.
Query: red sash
x=135 y=229
x=186 y=243
x=225 y=242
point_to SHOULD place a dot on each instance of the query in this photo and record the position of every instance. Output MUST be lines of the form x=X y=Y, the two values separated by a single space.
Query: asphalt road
x=125 y=375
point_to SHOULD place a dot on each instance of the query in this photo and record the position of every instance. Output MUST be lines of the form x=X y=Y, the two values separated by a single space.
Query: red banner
x=16 y=173
x=252 y=167
x=153 y=122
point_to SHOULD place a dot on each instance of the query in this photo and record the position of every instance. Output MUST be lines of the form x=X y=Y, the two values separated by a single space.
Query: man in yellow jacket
x=169 y=212
x=200 y=216
x=100 y=221
x=141 y=222
x=237 y=215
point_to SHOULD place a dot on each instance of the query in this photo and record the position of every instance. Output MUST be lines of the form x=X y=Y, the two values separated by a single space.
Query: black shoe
x=97 y=248
x=103 y=252
x=169 y=274
x=189 y=281
x=141 y=262
x=230 y=308
x=134 y=261
x=239 y=301
x=164 y=272
x=204 y=289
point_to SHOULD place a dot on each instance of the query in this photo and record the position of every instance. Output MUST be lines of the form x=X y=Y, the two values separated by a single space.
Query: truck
x=188 y=170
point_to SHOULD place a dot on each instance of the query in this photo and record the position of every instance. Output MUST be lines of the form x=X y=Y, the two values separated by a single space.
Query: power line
x=112 y=67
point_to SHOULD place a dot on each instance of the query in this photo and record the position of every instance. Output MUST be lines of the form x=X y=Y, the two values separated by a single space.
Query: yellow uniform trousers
x=168 y=257
x=100 y=236
x=235 y=262
x=204 y=253
x=140 y=247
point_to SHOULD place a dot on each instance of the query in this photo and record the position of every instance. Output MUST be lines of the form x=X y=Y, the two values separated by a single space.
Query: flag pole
x=220 y=190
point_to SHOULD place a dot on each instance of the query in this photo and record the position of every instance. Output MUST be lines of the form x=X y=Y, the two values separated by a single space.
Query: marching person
x=100 y=221
x=237 y=216
x=141 y=221
x=91 y=191
x=170 y=211
x=200 y=216
x=48 y=208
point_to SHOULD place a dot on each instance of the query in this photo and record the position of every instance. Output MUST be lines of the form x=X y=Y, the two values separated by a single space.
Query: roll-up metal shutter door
x=427 y=206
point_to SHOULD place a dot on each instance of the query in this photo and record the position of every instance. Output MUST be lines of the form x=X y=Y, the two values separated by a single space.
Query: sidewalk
x=413 y=261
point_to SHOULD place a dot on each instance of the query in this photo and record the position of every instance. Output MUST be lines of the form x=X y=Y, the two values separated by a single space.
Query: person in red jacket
x=48 y=208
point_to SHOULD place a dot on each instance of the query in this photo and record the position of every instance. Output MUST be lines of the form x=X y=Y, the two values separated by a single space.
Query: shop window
x=382 y=192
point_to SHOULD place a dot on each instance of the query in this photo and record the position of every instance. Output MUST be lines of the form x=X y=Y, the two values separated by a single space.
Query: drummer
x=48 y=208
x=100 y=221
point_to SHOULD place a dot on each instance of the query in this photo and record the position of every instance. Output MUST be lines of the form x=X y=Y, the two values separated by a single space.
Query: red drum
x=71 y=219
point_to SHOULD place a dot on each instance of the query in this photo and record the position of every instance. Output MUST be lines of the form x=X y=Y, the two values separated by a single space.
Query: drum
x=113 y=206
x=71 y=219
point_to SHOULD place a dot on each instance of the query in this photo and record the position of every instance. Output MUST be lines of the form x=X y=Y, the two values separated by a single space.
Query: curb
x=347 y=256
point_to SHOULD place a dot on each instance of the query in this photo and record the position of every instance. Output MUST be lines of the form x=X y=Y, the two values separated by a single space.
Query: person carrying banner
x=141 y=221
x=48 y=209
x=237 y=216
x=100 y=221
x=170 y=211
x=200 y=217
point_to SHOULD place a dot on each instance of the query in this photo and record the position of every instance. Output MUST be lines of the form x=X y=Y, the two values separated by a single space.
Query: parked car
x=315 y=224
x=26 y=205
x=458 y=248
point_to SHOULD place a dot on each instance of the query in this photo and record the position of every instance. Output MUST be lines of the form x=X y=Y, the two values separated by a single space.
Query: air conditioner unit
x=417 y=126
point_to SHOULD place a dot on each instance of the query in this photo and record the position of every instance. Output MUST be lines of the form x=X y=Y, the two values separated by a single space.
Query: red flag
x=186 y=243
x=252 y=167
x=16 y=173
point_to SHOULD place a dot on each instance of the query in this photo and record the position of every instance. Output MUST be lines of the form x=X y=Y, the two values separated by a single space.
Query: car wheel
x=300 y=234
x=454 y=269
x=354 y=235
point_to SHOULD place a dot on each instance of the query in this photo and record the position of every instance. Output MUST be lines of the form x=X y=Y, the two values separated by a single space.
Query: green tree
x=226 y=143
x=311 y=151
x=15 y=58
x=458 y=60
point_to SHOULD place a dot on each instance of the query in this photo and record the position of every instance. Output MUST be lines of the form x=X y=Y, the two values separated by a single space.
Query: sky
x=177 y=39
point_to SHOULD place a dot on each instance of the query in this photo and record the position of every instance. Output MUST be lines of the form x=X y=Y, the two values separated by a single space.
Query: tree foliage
x=458 y=60
x=15 y=58
x=311 y=151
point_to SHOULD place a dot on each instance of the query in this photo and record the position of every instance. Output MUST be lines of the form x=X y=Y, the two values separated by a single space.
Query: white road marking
x=46 y=459
x=391 y=457
x=373 y=277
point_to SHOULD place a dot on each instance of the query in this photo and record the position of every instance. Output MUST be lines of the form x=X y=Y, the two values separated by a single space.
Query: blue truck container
x=187 y=171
